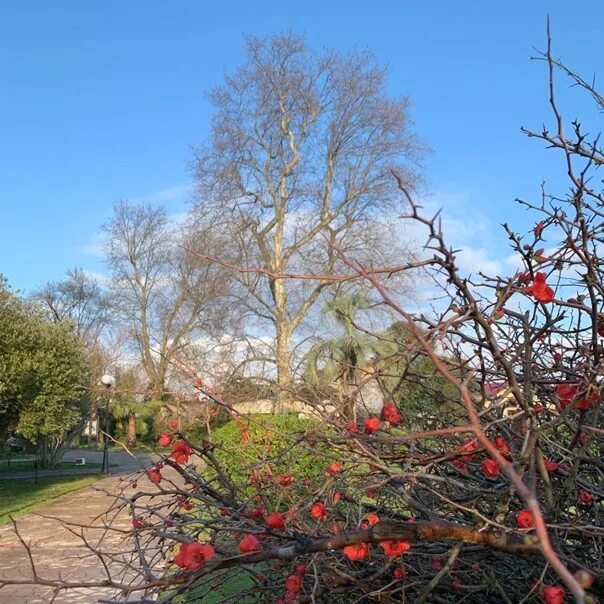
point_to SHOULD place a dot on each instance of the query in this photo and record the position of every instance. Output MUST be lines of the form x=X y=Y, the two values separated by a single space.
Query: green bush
x=197 y=431
x=276 y=446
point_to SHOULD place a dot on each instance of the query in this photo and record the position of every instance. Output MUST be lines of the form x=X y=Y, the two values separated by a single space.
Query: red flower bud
x=524 y=519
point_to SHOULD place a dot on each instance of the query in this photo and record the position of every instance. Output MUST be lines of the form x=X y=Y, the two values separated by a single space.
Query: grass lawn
x=238 y=586
x=21 y=496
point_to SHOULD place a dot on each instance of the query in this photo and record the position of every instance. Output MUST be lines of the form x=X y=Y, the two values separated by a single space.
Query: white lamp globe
x=108 y=381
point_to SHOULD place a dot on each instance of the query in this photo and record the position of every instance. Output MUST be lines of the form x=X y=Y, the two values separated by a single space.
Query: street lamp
x=109 y=382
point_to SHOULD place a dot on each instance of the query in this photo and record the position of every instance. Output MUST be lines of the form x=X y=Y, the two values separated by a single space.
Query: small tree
x=18 y=344
x=56 y=403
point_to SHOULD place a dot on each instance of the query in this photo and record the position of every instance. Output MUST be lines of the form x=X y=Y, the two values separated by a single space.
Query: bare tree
x=80 y=300
x=162 y=291
x=298 y=164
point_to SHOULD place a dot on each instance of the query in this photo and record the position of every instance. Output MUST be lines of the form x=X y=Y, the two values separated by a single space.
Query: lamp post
x=109 y=382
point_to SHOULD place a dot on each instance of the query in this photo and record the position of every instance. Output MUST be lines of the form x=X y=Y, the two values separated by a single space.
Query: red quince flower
x=399 y=573
x=584 y=396
x=337 y=496
x=539 y=228
x=551 y=466
x=164 y=439
x=154 y=475
x=372 y=424
x=539 y=289
x=181 y=452
x=490 y=468
x=552 y=594
x=275 y=520
x=173 y=424
x=373 y=518
x=460 y=465
x=525 y=520
x=358 y=551
x=284 y=479
x=502 y=446
x=197 y=554
x=392 y=548
x=300 y=570
x=499 y=314
x=249 y=544
x=256 y=512
x=194 y=555
x=293 y=583
x=468 y=448
x=585 y=497
x=334 y=468
x=318 y=511
x=137 y=523
x=391 y=414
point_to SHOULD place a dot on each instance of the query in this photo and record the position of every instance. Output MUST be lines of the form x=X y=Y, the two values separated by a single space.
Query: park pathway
x=56 y=551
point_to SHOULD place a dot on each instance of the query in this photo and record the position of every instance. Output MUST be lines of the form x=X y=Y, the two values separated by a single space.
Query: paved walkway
x=59 y=552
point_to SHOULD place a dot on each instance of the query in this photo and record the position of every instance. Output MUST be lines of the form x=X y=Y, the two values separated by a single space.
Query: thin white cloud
x=179 y=193
x=102 y=278
x=95 y=246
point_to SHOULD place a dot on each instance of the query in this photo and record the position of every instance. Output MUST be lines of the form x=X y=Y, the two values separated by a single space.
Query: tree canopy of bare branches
x=161 y=290
x=299 y=161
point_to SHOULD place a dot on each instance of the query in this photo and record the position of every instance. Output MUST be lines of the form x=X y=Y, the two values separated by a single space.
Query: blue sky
x=102 y=100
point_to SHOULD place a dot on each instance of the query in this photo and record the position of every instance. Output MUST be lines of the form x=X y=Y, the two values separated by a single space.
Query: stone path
x=57 y=552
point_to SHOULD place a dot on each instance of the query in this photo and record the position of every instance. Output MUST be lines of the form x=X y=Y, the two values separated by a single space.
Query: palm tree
x=343 y=361
x=405 y=374
x=128 y=407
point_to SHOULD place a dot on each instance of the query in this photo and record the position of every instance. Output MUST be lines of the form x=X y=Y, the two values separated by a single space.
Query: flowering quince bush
x=500 y=499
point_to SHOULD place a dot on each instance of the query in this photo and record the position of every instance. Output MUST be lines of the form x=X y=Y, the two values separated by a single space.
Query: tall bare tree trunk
x=284 y=379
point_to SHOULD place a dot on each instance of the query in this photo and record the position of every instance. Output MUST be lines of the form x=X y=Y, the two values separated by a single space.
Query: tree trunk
x=158 y=387
x=284 y=380
x=132 y=429
x=283 y=331
x=349 y=409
